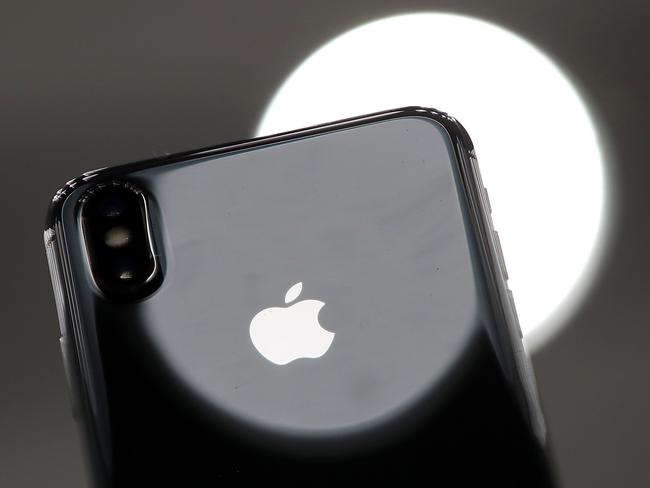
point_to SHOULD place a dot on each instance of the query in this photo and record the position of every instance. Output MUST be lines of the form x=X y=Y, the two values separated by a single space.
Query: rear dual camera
x=115 y=222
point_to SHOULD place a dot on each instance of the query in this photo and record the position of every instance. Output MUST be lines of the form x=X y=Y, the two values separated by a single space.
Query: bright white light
x=536 y=144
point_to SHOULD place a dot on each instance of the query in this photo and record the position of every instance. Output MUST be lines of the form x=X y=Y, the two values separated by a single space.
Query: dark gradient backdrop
x=88 y=84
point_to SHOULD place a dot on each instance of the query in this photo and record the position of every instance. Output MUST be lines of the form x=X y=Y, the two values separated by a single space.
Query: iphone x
x=324 y=305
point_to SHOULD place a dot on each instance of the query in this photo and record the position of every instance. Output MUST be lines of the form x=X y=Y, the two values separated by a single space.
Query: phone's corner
x=52 y=235
x=55 y=207
x=453 y=126
x=463 y=135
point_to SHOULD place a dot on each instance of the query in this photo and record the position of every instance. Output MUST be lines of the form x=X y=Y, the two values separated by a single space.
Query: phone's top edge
x=449 y=123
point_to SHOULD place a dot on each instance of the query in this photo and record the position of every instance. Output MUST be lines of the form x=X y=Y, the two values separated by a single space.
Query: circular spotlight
x=536 y=143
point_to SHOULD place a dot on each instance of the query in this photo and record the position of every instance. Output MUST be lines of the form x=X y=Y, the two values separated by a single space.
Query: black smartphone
x=324 y=305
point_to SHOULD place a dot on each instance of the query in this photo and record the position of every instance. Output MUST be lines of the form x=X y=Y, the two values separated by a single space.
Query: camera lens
x=115 y=227
x=117 y=237
x=111 y=205
x=124 y=268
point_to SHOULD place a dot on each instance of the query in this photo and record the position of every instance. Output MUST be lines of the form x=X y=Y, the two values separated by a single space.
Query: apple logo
x=284 y=334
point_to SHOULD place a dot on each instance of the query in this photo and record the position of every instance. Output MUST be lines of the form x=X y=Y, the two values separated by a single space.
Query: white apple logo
x=284 y=334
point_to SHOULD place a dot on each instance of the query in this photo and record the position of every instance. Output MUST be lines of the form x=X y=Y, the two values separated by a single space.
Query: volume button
x=51 y=249
x=514 y=312
x=479 y=181
x=69 y=372
x=502 y=260
x=487 y=200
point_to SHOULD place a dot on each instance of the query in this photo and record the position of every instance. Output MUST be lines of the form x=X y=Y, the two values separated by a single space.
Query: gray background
x=86 y=84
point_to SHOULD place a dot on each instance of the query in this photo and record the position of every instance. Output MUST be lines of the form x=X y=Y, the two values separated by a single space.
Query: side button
x=502 y=260
x=514 y=312
x=69 y=372
x=487 y=200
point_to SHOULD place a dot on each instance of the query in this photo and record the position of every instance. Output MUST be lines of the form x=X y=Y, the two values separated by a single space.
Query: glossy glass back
x=325 y=298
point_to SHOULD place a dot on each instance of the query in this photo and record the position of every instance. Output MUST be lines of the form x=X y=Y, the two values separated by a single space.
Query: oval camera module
x=115 y=223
